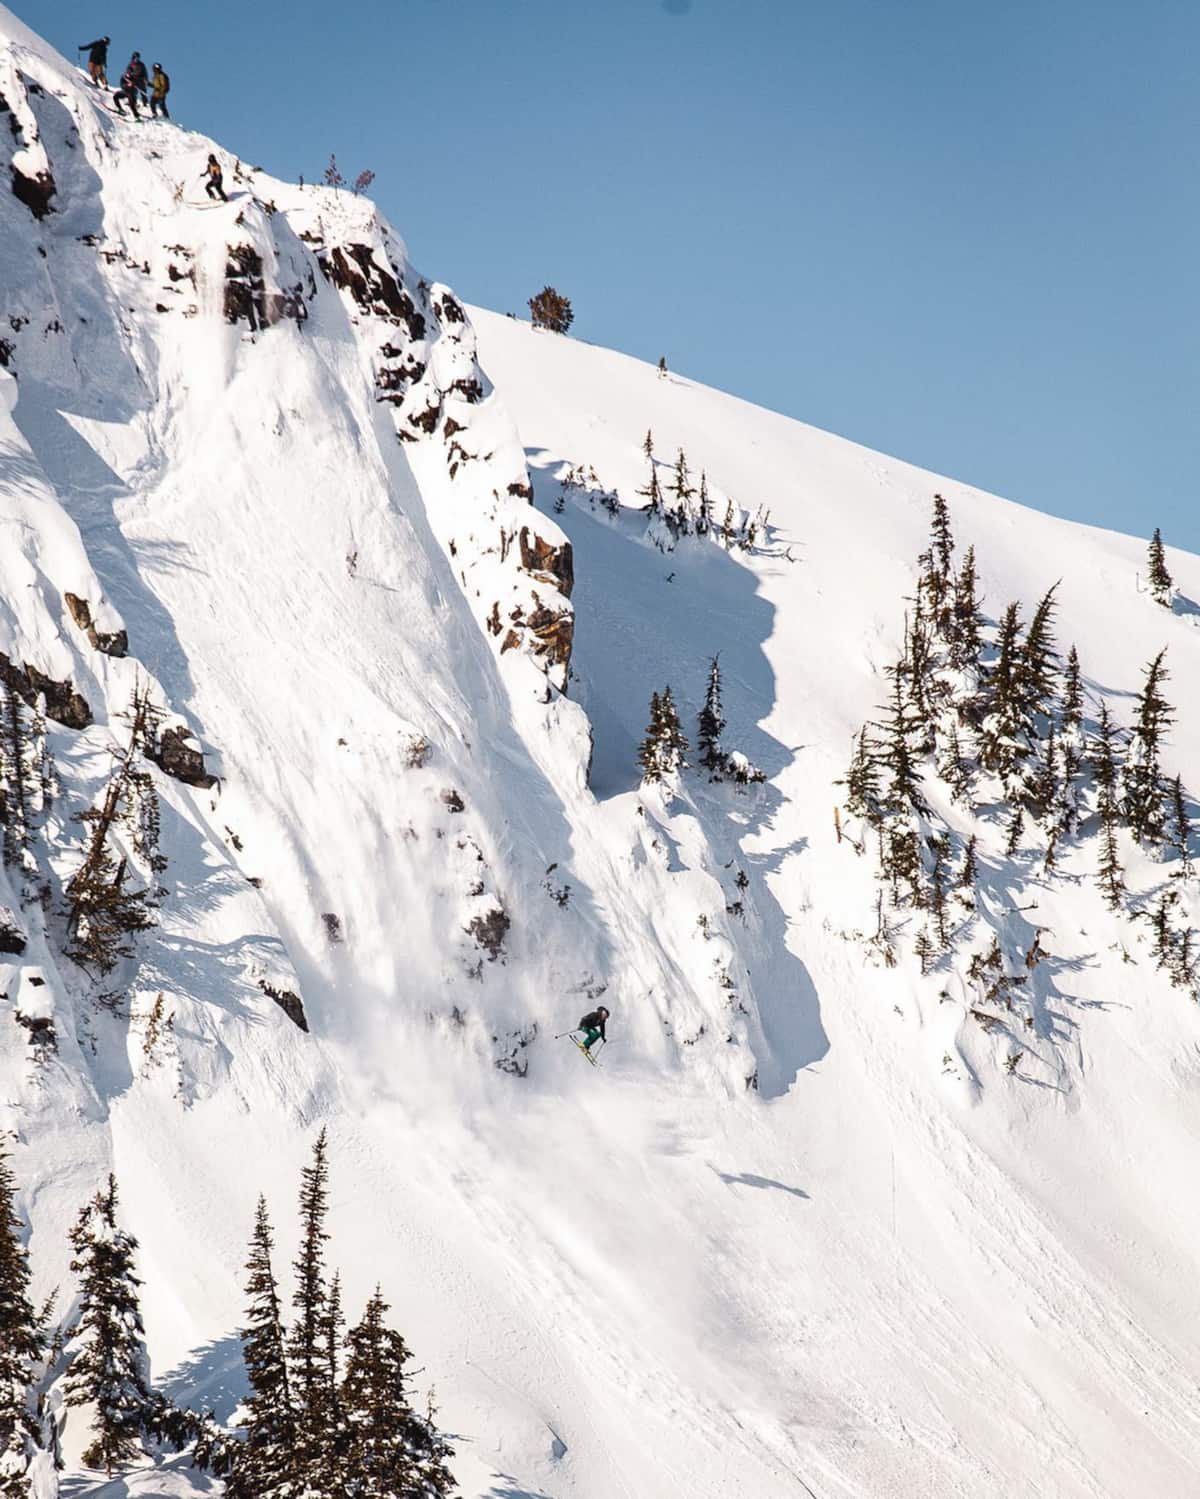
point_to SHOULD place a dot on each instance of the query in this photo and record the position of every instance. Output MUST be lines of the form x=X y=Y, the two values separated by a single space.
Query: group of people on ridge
x=135 y=85
x=134 y=81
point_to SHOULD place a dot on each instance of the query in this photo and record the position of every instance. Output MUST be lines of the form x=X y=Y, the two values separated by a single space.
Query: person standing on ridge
x=133 y=83
x=160 y=87
x=215 y=186
x=592 y=1026
x=97 y=52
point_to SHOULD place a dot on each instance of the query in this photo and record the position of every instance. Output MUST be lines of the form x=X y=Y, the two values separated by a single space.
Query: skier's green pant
x=590 y=1037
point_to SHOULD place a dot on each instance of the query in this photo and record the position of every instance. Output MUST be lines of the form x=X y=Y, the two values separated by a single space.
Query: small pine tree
x=648 y=446
x=1071 y=708
x=1037 y=671
x=393 y=1452
x=681 y=487
x=19 y=780
x=648 y=757
x=672 y=745
x=1105 y=765
x=862 y=781
x=20 y=1347
x=103 y=912
x=652 y=492
x=1181 y=828
x=939 y=879
x=1016 y=826
x=1004 y=738
x=1161 y=582
x=551 y=310
x=308 y=1362
x=711 y=723
x=662 y=367
x=902 y=731
x=955 y=769
x=1144 y=803
x=704 y=507
x=969 y=873
x=968 y=622
x=727 y=526
x=264 y=1460
x=108 y=1367
x=925 y=949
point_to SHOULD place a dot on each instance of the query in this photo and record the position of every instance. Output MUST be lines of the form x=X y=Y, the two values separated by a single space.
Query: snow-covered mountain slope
x=801 y=1231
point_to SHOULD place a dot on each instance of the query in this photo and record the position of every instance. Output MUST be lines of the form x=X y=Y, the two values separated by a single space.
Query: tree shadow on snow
x=670 y=615
x=211 y=1378
x=764 y=1183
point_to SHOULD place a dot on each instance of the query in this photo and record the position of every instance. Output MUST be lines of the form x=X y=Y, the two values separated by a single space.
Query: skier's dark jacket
x=594 y=1022
x=97 y=51
x=134 y=76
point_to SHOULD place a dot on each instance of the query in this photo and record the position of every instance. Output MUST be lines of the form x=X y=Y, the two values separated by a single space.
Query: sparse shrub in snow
x=550 y=309
x=333 y=925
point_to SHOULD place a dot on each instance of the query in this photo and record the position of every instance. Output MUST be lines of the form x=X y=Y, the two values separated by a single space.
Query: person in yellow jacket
x=160 y=87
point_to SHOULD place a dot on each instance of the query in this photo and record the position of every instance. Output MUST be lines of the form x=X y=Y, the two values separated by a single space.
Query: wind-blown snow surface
x=878 y=1274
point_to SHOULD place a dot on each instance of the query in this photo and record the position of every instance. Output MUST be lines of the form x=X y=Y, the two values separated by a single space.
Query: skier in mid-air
x=592 y=1026
x=215 y=186
x=133 y=83
x=97 y=52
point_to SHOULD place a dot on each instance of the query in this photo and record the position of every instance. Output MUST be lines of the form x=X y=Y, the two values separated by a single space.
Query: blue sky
x=963 y=232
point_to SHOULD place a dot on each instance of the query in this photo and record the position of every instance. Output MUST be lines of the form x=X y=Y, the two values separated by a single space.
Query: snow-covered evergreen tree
x=310 y=1376
x=265 y=1460
x=711 y=722
x=1144 y=804
x=392 y=1452
x=1161 y=583
x=108 y=1366
x=20 y=1350
x=1106 y=769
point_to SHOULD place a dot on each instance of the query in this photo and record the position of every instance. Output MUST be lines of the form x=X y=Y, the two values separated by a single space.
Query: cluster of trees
x=662 y=753
x=687 y=509
x=551 y=310
x=328 y=1414
x=992 y=720
x=113 y=892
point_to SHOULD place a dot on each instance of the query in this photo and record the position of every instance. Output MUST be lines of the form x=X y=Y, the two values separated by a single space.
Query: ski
x=586 y=1052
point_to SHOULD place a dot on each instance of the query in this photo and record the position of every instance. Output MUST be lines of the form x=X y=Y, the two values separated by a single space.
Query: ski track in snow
x=870 y=1278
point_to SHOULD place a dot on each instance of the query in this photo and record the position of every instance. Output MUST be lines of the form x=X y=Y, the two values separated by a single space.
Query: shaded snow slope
x=773 y=1244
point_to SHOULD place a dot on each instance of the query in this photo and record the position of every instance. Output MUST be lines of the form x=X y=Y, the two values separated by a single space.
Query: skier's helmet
x=602 y=1011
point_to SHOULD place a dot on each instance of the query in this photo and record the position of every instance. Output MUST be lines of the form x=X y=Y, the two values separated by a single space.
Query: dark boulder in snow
x=553 y=564
x=12 y=938
x=180 y=759
x=115 y=643
x=63 y=703
x=34 y=192
x=289 y=1002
